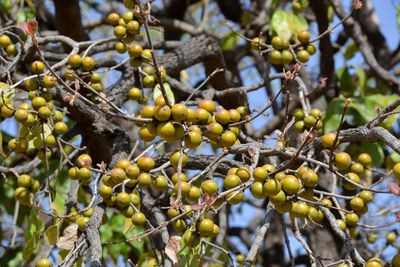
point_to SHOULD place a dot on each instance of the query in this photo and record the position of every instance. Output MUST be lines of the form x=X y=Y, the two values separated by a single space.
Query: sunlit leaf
x=168 y=91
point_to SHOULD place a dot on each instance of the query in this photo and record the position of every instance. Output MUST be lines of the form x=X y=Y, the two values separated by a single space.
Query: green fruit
x=303 y=56
x=275 y=57
x=342 y=161
x=205 y=227
x=138 y=219
x=351 y=219
x=291 y=185
x=303 y=36
x=44 y=263
x=272 y=187
x=391 y=238
x=257 y=190
x=210 y=187
x=277 y=43
x=353 y=177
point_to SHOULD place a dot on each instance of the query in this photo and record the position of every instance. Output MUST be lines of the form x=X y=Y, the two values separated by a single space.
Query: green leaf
x=304 y=3
x=398 y=17
x=8 y=93
x=333 y=114
x=229 y=41
x=280 y=25
x=350 y=51
x=361 y=81
x=31 y=245
x=168 y=91
x=5 y=5
x=346 y=83
x=329 y=14
x=35 y=224
x=51 y=234
x=286 y=24
x=58 y=204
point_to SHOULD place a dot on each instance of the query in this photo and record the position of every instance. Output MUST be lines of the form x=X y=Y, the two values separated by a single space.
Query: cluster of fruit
x=172 y=123
x=40 y=122
x=26 y=189
x=304 y=121
x=5 y=42
x=82 y=67
x=282 y=53
x=127 y=30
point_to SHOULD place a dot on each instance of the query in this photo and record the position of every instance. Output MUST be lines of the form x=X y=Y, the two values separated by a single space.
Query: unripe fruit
x=174 y=178
x=179 y=112
x=81 y=221
x=285 y=207
x=145 y=163
x=298 y=114
x=117 y=175
x=147 y=56
x=257 y=190
x=174 y=159
x=357 y=168
x=366 y=196
x=44 y=113
x=194 y=194
x=172 y=213
x=24 y=180
x=291 y=185
x=4 y=41
x=208 y=105
x=371 y=238
x=179 y=225
x=228 y=139
x=275 y=57
x=365 y=159
x=21 y=115
x=166 y=130
x=205 y=227
x=231 y=181
x=353 y=177
x=391 y=237
x=138 y=219
x=272 y=187
x=185 y=188
x=119 y=31
x=191 y=115
x=133 y=27
x=192 y=139
x=342 y=161
x=315 y=214
x=191 y=239
x=351 y=219
x=309 y=121
x=277 y=43
x=210 y=187
x=303 y=36
x=121 y=48
x=148 y=111
x=256 y=43
x=342 y=224
x=278 y=199
x=311 y=49
x=299 y=126
x=243 y=173
x=162 y=113
x=105 y=191
x=135 y=94
x=396 y=260
x=113 y=18
x=202 y=116
x=303 y=56
x=260 y=174
x=214 y=130
x=396 y=170
x=37 y=67
x=356 y=203
x=328 y=139
x=87 y=63
x=60 y=128
x=44 y=263
x=144 y=180
x=309 y=178
x=326 y=201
